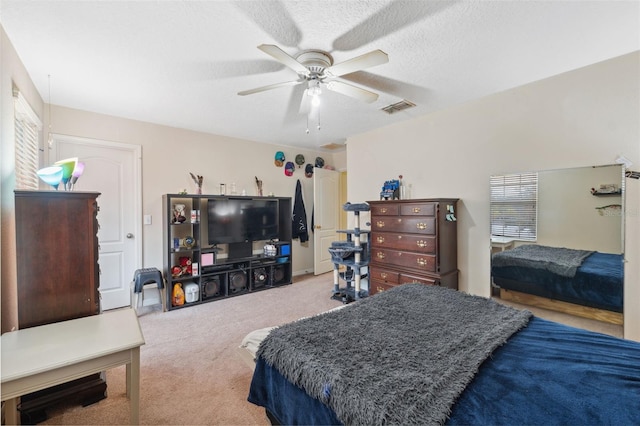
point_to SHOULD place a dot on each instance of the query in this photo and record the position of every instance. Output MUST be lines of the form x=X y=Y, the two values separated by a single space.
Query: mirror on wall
x=558 y=240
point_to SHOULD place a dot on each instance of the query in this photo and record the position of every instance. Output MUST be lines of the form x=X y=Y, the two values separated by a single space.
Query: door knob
x=129 y=235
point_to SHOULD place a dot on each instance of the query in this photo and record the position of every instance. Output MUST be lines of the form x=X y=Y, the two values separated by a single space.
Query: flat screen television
x=238 y=220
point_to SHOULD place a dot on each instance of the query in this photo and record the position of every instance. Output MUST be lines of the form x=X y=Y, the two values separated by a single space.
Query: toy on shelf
x=353 y=254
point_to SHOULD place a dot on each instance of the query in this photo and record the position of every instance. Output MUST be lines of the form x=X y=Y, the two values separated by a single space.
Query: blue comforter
x=547 y=373
x=598 y=282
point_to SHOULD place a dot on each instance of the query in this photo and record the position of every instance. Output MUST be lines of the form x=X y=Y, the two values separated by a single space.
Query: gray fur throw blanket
x=559 y=260
x=401 y=357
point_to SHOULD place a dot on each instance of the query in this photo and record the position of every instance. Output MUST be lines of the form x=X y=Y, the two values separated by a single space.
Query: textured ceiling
x=182 y=63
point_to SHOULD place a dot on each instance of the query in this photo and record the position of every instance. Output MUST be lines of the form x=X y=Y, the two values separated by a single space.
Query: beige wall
x=581 y=118
x=169 y=154
x=567 y=214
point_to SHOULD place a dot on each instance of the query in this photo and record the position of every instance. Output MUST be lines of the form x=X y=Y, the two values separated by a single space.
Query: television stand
x=240 y=250
x=186 y=244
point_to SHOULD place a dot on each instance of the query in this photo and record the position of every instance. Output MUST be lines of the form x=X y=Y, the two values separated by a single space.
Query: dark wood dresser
x=413 y=241
x=58 y=278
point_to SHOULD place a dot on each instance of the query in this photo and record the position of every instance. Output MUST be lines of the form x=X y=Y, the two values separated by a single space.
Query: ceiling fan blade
x=390 y=86
x=371 y=59
x=352 y=91
x=269 y=87
x=281 y=56
x=232 y=69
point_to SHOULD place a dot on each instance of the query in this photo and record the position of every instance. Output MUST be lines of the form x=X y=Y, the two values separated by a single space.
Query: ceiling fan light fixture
x=314 y=91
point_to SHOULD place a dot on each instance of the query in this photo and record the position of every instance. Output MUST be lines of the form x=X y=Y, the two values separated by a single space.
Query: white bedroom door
x=326 y=200
x=113 y=169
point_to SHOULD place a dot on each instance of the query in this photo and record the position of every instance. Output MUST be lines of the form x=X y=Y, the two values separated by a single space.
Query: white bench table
x=40 y=357
x=501 y=243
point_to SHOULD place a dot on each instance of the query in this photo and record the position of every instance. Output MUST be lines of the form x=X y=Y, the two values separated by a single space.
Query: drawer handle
x=416 y=209
x=383 y=210
x=421 y=225
x=383 y=275
x=422 y=262
x=421 y=243
x=380 y=224
x=380 y=239
x=379 y=289
x=380 y=255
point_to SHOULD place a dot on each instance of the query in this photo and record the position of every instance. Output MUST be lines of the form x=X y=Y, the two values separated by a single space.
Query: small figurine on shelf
x=176 y=271
x=198 y=180
x=185 y=265
x=178 y=213
x=259 y=186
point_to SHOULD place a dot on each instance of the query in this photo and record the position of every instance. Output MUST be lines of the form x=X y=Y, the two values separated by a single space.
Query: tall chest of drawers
x=58 y=276
x=413 y=241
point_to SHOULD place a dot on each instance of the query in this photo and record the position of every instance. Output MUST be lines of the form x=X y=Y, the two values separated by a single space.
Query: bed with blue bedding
x=586 y=278
x=420 y=354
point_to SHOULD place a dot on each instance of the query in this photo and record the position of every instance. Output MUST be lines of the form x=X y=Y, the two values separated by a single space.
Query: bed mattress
x=598 y=282
x=546 y=373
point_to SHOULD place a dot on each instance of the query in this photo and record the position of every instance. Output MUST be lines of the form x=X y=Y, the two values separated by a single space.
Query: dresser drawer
x=412 y=240
x=408 y=278
x=411 y=225
x=407 y=242
x=418 y=261
x=388 y=210
x=418 y=209
x=376 y=287
x=383 y=275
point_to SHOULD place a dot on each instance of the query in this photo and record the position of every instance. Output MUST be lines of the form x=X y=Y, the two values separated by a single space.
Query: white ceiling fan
x=316 y=68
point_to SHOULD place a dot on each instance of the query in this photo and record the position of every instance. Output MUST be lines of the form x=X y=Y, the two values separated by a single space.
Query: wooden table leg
x=133 y=385
x=11 y=415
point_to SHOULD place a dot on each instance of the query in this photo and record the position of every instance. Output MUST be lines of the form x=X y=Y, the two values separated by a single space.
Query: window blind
x=514 y=211
x=27 y=127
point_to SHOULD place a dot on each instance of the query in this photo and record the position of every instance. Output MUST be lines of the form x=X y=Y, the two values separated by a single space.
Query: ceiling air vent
x=398 y=106
x=332 y=145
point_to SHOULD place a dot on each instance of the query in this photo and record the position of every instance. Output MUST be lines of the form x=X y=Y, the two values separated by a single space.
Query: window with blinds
x=27 y=129
x=514 y=211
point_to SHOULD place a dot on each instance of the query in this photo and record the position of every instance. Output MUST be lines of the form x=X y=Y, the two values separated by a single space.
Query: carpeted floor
x=191 y=373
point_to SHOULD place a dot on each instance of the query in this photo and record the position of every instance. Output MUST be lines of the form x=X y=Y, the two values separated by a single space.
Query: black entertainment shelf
x=209 y=272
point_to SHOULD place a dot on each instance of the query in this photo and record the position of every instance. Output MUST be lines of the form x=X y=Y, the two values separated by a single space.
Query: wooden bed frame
x=564 y=307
